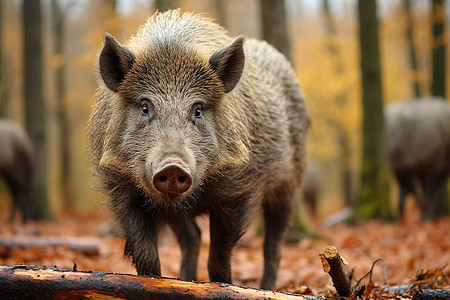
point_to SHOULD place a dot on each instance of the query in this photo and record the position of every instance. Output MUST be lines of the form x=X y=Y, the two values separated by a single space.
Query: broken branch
x=334 y=265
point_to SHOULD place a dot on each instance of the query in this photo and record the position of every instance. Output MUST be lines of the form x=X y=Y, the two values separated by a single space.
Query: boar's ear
x=229 y=62
x=114 y=62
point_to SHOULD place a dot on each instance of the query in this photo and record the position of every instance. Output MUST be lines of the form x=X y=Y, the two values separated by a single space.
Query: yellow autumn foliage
x=330 y=80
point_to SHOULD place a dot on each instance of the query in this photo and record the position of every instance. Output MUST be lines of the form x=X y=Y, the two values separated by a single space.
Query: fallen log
x=431 y=294
x=19 y=282
x=87 y=246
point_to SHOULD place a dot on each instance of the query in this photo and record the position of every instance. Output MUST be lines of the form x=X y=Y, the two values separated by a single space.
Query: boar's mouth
x=172 y=197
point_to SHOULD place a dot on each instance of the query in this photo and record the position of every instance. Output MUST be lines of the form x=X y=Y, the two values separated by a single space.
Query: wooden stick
x=16 y=282
x=334 y=265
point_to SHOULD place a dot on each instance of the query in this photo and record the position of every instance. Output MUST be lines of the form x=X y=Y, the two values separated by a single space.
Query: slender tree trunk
x=3 y=104
x=346 y=154
x=412 y=49
x=439 y=74
x=373 y=198
x=35 y=112
x=59 y=63
x=221 y=6
x=163 y=5
x=274 y=26
x=439 y=60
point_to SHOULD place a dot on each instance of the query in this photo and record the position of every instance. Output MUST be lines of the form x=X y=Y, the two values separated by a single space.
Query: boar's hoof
x=172 y=180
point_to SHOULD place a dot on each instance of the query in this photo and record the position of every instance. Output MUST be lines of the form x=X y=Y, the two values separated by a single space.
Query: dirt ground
x=411 y=249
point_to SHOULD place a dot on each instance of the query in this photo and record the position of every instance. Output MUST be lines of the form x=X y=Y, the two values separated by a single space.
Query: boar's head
x=168 y=104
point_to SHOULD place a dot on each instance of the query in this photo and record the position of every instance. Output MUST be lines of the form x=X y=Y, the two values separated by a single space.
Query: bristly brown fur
x=228 y=112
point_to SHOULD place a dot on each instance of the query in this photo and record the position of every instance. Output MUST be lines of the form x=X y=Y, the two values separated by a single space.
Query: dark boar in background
x=311 y=186
x=189 y=121
x=418 y=135
x=16 y=164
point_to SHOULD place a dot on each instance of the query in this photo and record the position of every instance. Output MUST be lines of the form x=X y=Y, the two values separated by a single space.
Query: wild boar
x=188 y=121
x=16 y=164
x=418 y=134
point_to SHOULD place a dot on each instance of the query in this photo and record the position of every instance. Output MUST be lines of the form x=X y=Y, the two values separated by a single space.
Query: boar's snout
x=172 y=180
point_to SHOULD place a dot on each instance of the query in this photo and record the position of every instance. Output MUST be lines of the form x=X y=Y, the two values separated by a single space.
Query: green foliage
x=374 y=196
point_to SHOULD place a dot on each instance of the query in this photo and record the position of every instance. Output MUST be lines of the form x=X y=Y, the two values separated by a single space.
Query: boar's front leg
x=142 y=248
x=140 y=229
x=188 y=235
x=226 y=227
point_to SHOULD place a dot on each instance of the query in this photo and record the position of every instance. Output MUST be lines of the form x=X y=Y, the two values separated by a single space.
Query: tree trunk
x=439 y=75
x=163 y=5
x=438 y=44
x=17 y=282
x=373 y=198
x=3 y=99
x=221 y=7
x=59 y=65
x=344 y=143
x=35 y=112
x=412 y=49
x=274 y=26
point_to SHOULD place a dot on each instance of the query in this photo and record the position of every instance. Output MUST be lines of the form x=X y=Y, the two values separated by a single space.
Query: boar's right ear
x=229 y=62
x=114 y=62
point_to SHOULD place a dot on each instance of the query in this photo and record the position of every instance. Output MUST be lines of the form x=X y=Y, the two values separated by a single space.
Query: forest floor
x=413 y=252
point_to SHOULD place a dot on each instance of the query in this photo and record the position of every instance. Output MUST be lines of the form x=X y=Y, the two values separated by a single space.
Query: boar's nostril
x=172 y=180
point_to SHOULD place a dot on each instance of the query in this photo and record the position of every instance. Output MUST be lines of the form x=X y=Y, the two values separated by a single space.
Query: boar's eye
x=146 y=108
x=197 y=111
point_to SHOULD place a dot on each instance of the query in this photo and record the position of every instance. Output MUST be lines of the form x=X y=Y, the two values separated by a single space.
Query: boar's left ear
x=114 y=62
x=229 y=62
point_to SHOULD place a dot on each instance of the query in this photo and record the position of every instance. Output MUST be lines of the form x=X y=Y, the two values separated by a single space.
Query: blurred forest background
x=322 y=42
